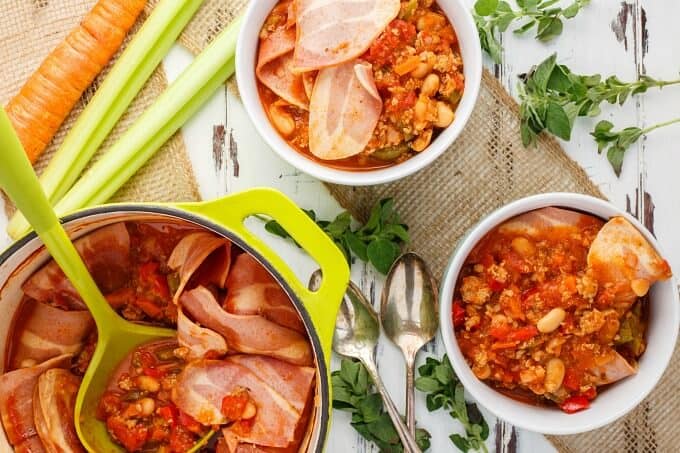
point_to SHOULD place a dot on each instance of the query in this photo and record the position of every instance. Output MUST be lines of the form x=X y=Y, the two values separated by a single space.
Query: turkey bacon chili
x=550 y=306
x=363 y=93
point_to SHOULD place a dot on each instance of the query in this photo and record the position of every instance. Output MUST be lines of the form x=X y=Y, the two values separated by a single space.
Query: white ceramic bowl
x=246 y=56
x=612 y=403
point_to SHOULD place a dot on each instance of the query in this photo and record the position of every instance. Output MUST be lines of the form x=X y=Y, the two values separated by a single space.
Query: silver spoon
x=356 y=335
x=409 y=316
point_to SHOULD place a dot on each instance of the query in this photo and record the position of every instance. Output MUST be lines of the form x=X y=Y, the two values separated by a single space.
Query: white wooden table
x=609 y=37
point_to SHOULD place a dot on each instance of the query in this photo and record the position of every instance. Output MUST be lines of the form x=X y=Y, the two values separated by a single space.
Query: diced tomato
x=575 y=404
x=234 y=404
x=181 y=440
x=188 y=422
x=154 y=372
x=523 y=333
x=398 y=34
x=590 y=394
x=159 y=433
x=571 y=380
x=132 y=438
x=148 y=307
x=121 y=297
x=109 y=404
x=458 y=313
x=503 y=345
x=495 y=285
x=169 y=413
x=500 y=332
x=153 y=280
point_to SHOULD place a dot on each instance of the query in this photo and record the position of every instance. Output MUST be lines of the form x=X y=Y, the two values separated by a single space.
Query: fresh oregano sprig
x=617 y=142
x=444 y=391
x=552 y=96
x=495 y=16
x=353 y=392
x=378 y=241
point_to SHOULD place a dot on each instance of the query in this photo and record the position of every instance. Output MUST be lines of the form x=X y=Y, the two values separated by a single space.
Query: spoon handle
x=410 y=395
x=21 y=184
x=407 y=440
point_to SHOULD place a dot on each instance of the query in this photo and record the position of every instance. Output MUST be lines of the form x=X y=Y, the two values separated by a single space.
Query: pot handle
x=322 y=305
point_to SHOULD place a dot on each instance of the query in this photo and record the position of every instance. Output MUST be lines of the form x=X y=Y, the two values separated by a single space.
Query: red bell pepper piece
x=458 y=314
x=574 y=404
x=523 y=333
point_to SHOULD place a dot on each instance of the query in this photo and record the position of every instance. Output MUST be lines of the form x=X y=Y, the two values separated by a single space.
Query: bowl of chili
x=380 y=104
x=526 y=297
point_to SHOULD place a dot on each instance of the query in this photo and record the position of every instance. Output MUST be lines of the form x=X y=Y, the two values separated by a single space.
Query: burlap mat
x=486 y=168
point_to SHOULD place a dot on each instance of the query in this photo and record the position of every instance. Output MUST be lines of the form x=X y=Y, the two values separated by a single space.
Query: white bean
x=148 y=383
x=554 y=374
x=430 y=85
x=147 y=406
x=640 y=286
x=421 y=141
x=282 y=120
x=551 y=321
x=444 y=115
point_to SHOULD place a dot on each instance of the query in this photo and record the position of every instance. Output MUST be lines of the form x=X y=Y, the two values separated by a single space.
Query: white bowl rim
x=245 y=76
x=486 y=395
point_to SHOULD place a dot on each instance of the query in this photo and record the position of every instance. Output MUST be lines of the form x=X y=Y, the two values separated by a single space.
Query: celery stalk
x=126 y=78
x=177 y=104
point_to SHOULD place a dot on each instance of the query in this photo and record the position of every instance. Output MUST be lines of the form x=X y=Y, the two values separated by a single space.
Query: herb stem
x=660 y=125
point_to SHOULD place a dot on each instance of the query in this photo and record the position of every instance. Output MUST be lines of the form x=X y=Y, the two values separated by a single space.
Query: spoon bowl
x=116 y=336
x=357 y=331
x=409 y=316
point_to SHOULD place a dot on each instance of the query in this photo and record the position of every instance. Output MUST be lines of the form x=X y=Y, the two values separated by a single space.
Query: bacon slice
x=344 y=110
x=106 y=253
x=198 y=340
x=537 y=222
x=247 y=333
x=290 y=381
x=54 y=400
x=332 y=32
x=253 y=291
x=202 y=386
x=621 y=258
x=31 y=445
x=16 y=402
x=275 y=67
x=611 y=367
x=210 y=253
x=46 y=332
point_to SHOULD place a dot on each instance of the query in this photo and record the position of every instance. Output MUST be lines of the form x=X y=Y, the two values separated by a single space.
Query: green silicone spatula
x=117 y=337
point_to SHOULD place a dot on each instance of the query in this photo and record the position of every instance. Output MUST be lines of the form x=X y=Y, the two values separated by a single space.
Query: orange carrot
x=50 y=93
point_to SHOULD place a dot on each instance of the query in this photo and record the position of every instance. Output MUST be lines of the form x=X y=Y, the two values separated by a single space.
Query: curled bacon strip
x=54 y=400
x=47 y=332
x=245 y=333
x=621 y=258
x=198 y=340
x=344 y=110
x=210 y=253
x=253 y=291
x=16 y=402
x=332 y=32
